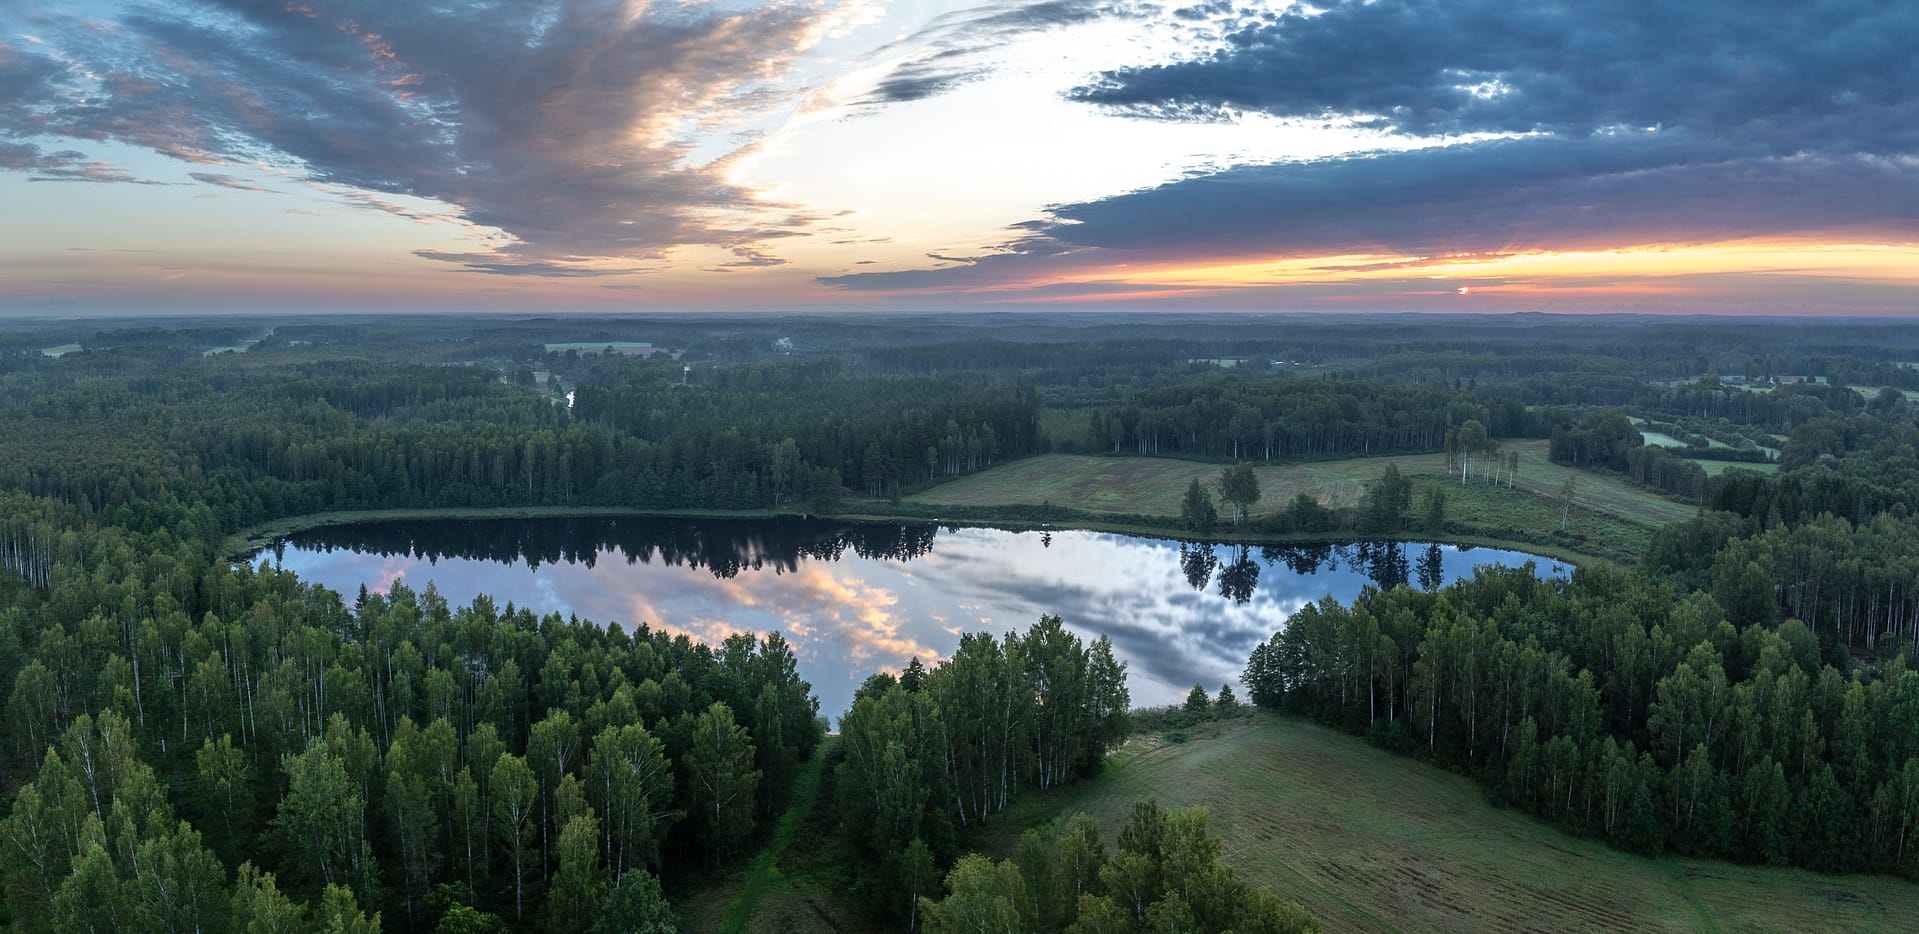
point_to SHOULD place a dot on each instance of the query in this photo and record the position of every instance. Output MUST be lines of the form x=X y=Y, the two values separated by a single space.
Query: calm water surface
x=855 y=598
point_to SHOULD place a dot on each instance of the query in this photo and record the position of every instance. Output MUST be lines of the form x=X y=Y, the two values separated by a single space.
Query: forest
x=191 y=742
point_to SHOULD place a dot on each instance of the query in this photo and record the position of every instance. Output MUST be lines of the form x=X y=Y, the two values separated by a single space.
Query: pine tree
x=1196 y=510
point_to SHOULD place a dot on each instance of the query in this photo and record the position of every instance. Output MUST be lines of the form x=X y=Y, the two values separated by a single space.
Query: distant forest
x=189 y=743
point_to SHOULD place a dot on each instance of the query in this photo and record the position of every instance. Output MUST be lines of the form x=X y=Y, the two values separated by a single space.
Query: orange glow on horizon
x=1660 y=271
x=1873 y=262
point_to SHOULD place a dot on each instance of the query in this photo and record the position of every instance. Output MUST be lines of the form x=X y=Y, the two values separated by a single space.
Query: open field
x=1153 y=485
x=1370 y=841
x=1715 y=468
x=1871 y=391
x=625 y=347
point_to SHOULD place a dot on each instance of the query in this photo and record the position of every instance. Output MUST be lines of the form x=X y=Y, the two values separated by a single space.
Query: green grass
x=1715 y=468
x=1531 y=520
x=597 y=346
x=1367 y=840
x=763 y=875
x=1152 y=486
x=795 y=885
x=1871 y=392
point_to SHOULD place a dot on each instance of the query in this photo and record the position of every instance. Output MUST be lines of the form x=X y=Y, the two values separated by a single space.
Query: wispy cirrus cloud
x=225 y=181
x=570 y=125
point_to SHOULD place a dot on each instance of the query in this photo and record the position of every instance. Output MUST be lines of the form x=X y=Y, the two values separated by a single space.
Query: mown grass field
x=1154 y=485
x=1605 y=506
x=1370 y=841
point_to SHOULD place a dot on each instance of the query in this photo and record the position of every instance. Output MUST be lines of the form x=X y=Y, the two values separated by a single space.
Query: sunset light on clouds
x=355 y=155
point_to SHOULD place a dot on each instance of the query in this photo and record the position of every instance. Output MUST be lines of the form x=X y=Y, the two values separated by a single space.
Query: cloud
x=1512 y=128
x=955 y=48
x=569 y=125
x=225 y=181
x=1506 y=195
x=576 y=267
x=1427 y=68
x=62 y=166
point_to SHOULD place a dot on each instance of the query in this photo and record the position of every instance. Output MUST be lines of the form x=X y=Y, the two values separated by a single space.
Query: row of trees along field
x=1286 y=418
x=931 y=754
x=1615 y=709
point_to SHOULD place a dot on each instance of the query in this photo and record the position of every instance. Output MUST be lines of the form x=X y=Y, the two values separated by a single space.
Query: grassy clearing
x=1871 y=392
x=792 y=886
x=590 y=347
x=763 y=874
x=1715 y=468
x=1153 y=486
x=1370 y=841
x=1533 y=520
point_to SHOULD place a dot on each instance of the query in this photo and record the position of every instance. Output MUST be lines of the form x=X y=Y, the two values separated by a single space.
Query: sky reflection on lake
x=858 y=598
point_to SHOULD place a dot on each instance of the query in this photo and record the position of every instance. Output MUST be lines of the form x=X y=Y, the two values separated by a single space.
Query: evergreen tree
x=1196 y=511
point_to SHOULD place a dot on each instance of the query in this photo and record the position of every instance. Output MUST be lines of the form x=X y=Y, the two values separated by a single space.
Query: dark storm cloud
x=561 y=123
x=1615 y=124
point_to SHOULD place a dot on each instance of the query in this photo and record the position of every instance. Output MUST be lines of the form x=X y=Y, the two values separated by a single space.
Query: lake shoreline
x=852 y=596
x=250 y=541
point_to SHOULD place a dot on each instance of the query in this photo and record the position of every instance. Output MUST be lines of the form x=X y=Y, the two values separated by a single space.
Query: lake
x=855 y=598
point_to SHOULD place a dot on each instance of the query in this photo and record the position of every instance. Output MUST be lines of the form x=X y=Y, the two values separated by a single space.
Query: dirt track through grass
x=1371 y=841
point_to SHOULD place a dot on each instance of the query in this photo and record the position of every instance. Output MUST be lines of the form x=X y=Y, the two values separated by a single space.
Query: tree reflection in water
x=1197 y=562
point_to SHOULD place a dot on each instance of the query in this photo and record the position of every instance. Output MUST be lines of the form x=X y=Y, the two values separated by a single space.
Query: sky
x=1715 y=156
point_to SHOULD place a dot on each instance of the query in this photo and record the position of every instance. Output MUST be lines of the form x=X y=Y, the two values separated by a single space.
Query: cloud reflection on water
x=850 y=611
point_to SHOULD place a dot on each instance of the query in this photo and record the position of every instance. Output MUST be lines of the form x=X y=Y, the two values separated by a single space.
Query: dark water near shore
x=856 y=597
